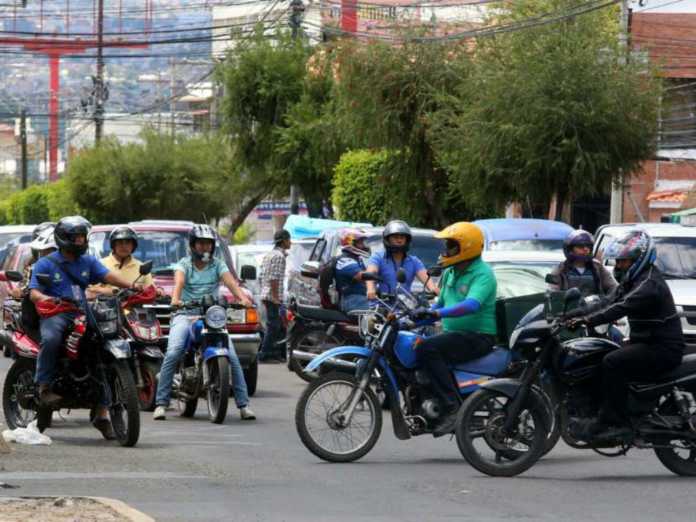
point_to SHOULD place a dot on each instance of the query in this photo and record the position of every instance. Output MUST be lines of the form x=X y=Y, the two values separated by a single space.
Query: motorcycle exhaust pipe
x=303 y=356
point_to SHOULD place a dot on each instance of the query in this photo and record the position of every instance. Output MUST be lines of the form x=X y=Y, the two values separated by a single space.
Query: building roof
x=667 y=196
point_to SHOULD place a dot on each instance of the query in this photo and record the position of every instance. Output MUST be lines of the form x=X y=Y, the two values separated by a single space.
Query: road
x=191 y=470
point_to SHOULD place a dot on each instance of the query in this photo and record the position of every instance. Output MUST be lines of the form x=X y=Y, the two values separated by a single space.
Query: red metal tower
x=58 y=45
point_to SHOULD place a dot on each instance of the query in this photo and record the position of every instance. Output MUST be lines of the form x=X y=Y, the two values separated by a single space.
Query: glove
x=425 y=314
x=575 y=322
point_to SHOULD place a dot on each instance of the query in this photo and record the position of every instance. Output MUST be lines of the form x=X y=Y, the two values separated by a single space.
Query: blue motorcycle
x=204 y=371
x=339 y=417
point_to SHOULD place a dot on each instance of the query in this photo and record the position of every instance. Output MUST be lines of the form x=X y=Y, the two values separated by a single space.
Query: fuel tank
x=405 y=348
x=581 y=358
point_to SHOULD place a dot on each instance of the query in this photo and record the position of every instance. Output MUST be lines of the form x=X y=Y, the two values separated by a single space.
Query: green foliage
x=38 y=203
x=164 y=177
x=359 y=193
x=553 y=109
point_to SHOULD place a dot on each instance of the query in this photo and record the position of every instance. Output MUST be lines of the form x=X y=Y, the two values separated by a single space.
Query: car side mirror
x=13 y=275
x=310 y=269
x=435 y=271
x=401 y=276
x=145 y=268
x=44 y=279
x=553 y=279
x=248 y=273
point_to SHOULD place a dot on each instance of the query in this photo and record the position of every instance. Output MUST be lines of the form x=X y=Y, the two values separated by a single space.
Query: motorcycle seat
x=493 y=363
x=687 y=367
x=323 y=314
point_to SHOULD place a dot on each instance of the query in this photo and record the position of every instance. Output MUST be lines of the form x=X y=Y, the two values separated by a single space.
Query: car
x=521 y=273
x=676 y=258
x=164 y=243
x=251 y=255
x=16 y=259
x=523 y=234
x=303 y=286
x=12 y=235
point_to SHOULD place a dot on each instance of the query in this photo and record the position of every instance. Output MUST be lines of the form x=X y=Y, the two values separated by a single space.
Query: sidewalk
x=68 y=509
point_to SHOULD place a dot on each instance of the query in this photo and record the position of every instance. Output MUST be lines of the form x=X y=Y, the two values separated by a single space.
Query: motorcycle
x=338 y=416
x=93 y=362
x=509 y=413
x=204 y=371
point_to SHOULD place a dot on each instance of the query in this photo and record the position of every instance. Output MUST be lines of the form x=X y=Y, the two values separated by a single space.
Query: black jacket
x=649 y=306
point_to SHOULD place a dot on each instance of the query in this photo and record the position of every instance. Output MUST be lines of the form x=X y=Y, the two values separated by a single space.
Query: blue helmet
x=636 y=245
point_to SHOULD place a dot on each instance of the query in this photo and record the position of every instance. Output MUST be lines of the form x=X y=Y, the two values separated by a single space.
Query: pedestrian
x=272 y=283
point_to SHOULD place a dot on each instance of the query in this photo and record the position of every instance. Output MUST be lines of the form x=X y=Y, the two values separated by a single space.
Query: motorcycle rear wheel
x=498 y=454
x=337 y=388
x=314 y=341
x=20 y=375
x=218 y=388
x=125 y=406
x=679 y=460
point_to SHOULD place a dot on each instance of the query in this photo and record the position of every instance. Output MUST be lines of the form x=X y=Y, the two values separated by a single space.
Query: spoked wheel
x=218 y=388
x=148 y=393
x=18 y=394
x=322 y=425
x=125 y=407
x=486 y=445
x=312 y=341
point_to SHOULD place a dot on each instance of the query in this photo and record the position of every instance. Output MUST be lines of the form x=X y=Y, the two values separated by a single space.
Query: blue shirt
x=387 y=268
x=86 y=269
x=199 y=283
x=346 y=269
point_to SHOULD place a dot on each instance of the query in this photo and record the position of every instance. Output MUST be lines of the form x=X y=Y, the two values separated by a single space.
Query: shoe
x=446 y=426
x=160 y=413
x=246 y=413
x=47 y=397
x=104 y=426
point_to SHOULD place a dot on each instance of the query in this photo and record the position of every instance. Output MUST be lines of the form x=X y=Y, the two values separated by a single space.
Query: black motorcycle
x=510 y=414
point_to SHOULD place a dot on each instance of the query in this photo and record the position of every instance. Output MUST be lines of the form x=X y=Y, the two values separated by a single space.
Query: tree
x=552 y=110
x=359 y=193
x=164 y=177
x=38 y=203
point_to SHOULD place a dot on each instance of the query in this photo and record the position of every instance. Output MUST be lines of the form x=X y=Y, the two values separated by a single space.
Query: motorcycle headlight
x=216 y=317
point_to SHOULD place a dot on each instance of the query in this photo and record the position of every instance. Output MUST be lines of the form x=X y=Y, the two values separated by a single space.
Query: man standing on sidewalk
x=272 y=280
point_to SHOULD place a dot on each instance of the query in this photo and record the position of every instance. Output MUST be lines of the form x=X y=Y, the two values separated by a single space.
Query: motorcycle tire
x=20 y=373
x=218 y=391
x=513 y=461
x=251 y=377
x=148 y=393
x=309 y=340
x=125 y=406
x=673 y=460
x=303 y=412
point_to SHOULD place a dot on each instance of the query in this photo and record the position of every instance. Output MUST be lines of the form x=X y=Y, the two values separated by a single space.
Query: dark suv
x=303 y=284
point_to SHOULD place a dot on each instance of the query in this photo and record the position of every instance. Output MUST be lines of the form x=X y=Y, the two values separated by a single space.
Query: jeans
x=352 y=302
x=439 y=351
x=274 y=332
x=53 y=331
x=176 y=347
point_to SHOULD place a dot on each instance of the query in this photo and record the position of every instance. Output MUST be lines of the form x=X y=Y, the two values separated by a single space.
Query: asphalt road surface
x=192 y=470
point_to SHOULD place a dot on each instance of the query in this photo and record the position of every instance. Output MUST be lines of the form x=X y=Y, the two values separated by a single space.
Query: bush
x=38 y=203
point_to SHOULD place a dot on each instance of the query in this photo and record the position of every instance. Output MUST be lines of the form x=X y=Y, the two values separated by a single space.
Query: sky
x=664 y=6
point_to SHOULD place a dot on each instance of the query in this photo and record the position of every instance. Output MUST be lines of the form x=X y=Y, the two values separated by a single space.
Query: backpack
x=327 y=273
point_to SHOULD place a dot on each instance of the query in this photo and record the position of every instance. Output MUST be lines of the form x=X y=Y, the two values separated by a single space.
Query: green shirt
x=476 y=282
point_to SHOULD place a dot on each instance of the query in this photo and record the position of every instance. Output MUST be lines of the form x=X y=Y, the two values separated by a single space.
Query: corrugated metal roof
x=674 y=196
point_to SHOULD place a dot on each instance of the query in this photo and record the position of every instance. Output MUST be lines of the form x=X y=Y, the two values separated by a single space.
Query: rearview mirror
x=553 y=279
x=145 y=268
x=310 y=269
x=435 y=271
x=13 y=275
x=401 y=276
x=248 y=273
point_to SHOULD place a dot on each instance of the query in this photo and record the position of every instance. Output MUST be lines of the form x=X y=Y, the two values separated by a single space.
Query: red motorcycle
x=95 y=361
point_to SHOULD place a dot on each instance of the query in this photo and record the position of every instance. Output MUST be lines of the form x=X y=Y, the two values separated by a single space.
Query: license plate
x=236 y=316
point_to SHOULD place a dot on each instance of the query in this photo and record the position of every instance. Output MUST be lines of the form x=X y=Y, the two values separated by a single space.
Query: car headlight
x=513 y=338
x=216 y=317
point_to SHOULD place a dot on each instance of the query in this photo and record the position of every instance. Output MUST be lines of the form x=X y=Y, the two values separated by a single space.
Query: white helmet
x=44 y=240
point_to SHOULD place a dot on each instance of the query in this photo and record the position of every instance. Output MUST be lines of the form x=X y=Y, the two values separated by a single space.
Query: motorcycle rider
x=580 y=270
x=124 y=241
x=349 y=271
x=656 y=341
x=195 y=277
x=396 y=238
x=467 y=308
x=69 y=270
x=41 y=245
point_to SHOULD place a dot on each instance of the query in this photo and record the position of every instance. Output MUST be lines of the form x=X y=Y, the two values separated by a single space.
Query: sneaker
x=160 y=413
x=246 y=414
x=104 y=426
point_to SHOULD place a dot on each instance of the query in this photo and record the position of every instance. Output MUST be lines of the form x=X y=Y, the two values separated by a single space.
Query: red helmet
x=350 y=238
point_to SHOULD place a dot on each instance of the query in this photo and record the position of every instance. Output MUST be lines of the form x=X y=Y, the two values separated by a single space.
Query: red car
x=165 y=243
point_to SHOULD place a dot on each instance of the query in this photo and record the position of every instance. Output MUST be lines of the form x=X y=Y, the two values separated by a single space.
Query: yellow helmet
x=464 y=242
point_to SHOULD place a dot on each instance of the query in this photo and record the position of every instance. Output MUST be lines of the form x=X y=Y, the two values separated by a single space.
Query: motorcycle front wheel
x=125 y=406
x=485 y=444
x=323 y=429
x=218 y=388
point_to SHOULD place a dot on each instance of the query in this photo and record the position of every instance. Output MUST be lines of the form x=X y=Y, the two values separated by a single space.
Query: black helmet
x=636 y=245
x=201 y=232
x=123 y=232
x=40 y=228
x=396 y=227
x=578 y=238
x=66 y=230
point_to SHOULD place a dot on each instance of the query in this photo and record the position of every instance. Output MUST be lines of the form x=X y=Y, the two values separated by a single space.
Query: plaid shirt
x=272 y=269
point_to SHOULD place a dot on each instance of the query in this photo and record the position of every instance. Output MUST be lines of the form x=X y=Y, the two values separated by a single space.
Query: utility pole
x=172 y=102
x=23 y=142
x=297 y=9
x=616 y=203
x=99 y=87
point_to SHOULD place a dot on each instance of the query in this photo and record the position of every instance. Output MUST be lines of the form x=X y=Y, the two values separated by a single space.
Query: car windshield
x=6 y=237
x=516 y=279
x=676 y=256
x=425 y=248
x=547 y=245
x=163 y=248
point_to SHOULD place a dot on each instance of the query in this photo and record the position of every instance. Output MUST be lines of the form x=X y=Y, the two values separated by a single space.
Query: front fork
x=363 y=375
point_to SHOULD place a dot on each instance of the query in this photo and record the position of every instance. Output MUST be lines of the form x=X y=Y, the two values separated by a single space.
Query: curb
x=123 y=509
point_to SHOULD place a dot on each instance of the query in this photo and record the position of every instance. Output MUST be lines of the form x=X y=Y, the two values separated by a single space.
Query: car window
x=602 y=244
x=517 y=279
x=6 y=257
x=547 y=245
x=318 y=250
x=676 y=256
x=24 y=256
x=425 y=248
